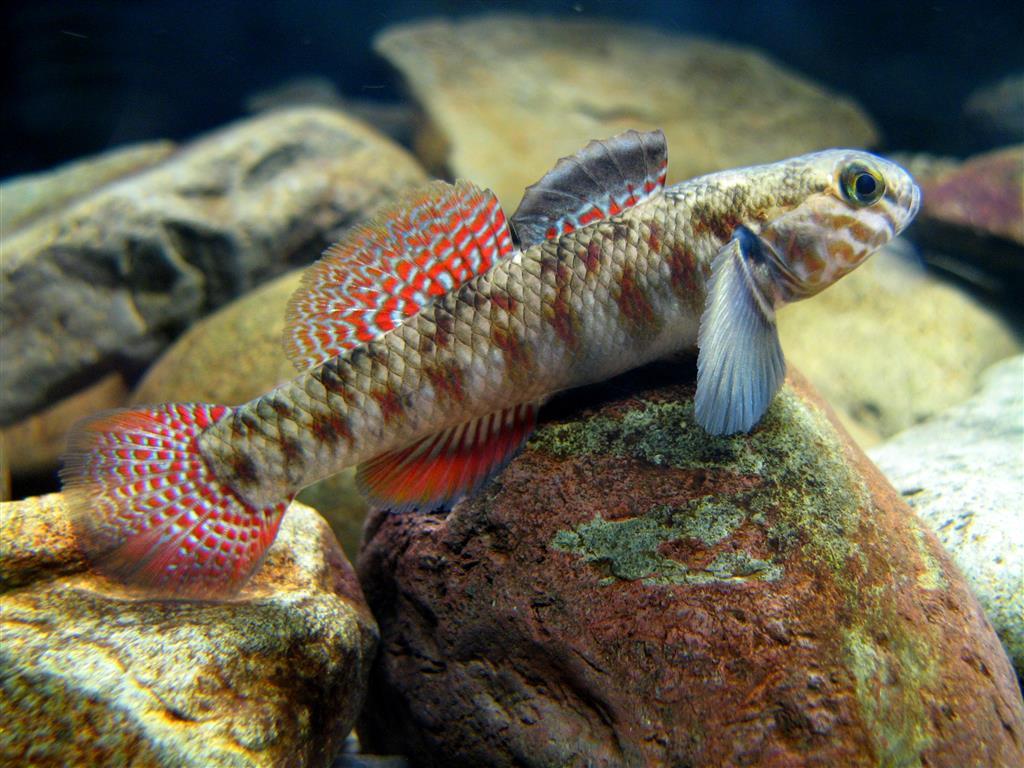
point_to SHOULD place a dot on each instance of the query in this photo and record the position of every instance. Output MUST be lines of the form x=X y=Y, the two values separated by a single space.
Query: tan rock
x=109 y=281
x=92 y=676
x=34 y=445
x=194 y=368
x=511 y=93
x=890 y=345
x=33 y=195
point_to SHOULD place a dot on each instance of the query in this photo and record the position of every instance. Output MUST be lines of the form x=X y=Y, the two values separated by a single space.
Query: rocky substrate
x=633 y=592
x=90 y=674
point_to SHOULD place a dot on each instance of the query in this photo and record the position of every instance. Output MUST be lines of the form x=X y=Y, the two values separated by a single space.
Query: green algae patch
x=889 y=677
x=808 y=496
x=931 y=576
x=631 y=549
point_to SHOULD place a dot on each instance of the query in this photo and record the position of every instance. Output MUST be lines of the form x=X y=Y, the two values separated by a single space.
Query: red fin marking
x=148 y=510
x=443 y=467
x=601 y=180
x=424 y=245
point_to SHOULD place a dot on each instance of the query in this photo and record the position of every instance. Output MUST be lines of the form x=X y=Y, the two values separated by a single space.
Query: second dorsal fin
x=425 y=244
x=604 y=178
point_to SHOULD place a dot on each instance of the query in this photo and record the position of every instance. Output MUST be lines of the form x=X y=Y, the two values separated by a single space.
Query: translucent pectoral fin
x=740 y=365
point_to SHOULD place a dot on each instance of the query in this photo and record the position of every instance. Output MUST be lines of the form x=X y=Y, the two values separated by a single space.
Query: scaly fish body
x=445 y=390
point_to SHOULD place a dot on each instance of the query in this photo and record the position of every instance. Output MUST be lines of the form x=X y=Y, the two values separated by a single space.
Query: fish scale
x=431 y=395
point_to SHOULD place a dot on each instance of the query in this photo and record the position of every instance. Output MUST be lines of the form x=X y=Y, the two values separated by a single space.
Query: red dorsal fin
x=443 y=467
x=602 y=179
x=423 y=245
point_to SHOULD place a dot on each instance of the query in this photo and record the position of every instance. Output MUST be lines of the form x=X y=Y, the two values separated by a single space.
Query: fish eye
x=861 y=184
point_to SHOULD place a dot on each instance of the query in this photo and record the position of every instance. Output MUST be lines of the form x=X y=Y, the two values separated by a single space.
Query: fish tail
x=148 y=510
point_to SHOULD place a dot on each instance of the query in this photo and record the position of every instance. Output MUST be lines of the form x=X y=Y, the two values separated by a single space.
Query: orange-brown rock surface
x=92 y=675
x=631 y=591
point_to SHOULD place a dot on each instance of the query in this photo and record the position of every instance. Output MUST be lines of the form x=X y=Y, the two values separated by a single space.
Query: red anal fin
x=423 y=245
x=601 y=180
x=443 y=467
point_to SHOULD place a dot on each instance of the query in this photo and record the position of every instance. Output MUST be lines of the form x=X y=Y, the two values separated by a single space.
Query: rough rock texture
x=891 y=345
x=252 y=327
x=631 y=591
x=35 y=443
x=507 y=95
x=30 y=196
x=91 y=676
x=107 y=282
x=963 y=473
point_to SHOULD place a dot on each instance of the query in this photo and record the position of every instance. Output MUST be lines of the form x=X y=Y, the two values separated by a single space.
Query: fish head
x=846 y=204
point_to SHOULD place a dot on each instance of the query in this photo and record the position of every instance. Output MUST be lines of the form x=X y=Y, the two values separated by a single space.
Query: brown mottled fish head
x=846 y=204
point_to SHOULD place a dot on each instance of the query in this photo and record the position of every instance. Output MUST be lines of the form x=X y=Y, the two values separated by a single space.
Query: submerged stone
x=963 y=473
x=508 y=94
x=632 y=591
x=107 y=282
x=92 y=675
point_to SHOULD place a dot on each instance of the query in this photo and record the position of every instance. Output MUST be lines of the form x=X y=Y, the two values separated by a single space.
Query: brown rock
x=972 y=220
x=34 y=445
x=91 y=675
x=631 y=591
x=108 y=282
x=506 y=95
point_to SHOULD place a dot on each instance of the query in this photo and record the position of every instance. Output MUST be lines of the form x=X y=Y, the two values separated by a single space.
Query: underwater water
x=556 y=505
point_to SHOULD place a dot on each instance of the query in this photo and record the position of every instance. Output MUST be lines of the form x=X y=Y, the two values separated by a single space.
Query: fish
x=428 y=338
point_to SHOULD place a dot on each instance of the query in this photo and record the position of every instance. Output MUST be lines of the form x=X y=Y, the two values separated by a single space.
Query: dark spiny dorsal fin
x=601 y=180
x=425 y=244
x=443 y=467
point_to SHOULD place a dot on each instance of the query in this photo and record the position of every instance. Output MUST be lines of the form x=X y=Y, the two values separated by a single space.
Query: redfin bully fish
x=429 y=337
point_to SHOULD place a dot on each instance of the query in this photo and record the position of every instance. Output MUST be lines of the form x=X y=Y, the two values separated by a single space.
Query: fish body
x=430 y=340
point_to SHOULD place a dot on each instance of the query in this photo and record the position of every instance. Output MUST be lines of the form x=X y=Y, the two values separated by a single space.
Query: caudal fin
x=149 y=511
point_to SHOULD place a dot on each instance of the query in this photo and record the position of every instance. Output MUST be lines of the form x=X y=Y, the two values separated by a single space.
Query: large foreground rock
x=91 y=676
x=507 y=95
x=963 y=473
x=631 y=591
x=109 y=281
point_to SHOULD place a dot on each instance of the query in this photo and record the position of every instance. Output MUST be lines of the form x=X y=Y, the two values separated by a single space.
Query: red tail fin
x=150 y=512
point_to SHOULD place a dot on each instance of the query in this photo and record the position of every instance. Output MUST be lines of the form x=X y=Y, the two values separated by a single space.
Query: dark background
x=79 y=77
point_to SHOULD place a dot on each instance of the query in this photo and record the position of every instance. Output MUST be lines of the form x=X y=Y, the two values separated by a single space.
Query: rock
x=890 y=345
x=963 y=473
x=631 y=591
x=973 y=215
x=30 y=196
x=252 y=327
x=36 y=443
x=507 y=95
x=92 y=676
x=997 y=109
x=109 y=281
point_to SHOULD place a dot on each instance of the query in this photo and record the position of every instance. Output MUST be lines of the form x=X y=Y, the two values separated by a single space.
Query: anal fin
x=443 y=467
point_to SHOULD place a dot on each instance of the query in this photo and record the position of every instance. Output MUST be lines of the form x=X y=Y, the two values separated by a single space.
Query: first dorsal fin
x=425 y=244
x=602 y=179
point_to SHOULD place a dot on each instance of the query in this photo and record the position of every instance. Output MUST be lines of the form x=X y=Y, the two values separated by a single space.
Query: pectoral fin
x=740 y=365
